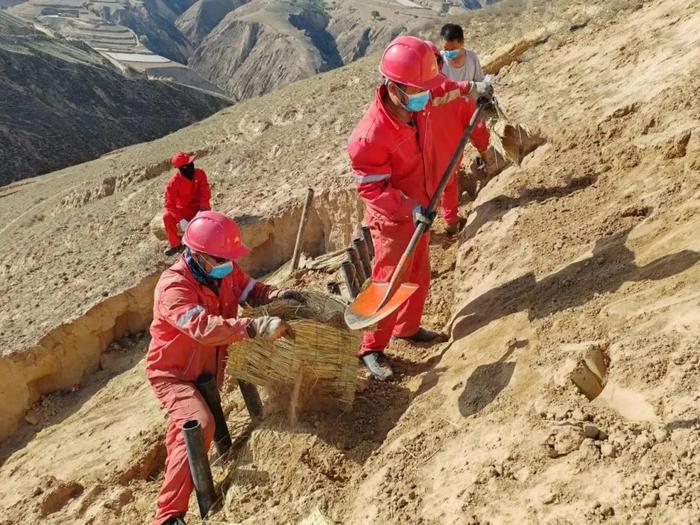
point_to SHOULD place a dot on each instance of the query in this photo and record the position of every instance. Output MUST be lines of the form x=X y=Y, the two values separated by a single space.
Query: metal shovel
x=380 y=300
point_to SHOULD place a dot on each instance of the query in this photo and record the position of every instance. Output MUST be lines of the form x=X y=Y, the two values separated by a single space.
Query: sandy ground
x=588 y=246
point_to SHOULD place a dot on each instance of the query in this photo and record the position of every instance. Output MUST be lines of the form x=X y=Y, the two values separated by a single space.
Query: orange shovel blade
x=365 y=310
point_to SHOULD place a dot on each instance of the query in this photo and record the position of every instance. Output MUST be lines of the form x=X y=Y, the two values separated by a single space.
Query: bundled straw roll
x=320 y=362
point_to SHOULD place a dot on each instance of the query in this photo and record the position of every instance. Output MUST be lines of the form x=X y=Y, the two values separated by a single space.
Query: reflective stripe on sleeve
x=366 y=179
x=246 y=291
x=189 y=314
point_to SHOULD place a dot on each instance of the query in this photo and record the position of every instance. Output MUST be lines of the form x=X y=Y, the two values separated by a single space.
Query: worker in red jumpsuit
x=448 y=122
x=186 y=194
x=195 y=319
x=390 y=159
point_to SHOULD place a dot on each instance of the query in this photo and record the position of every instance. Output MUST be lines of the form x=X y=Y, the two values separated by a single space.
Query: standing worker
x=448 y=124
x=461 y=64
x=386 y=151
x=186 y=194
x=195 y=318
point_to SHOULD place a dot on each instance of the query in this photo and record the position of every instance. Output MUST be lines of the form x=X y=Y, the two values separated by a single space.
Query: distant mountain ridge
x=243 y=47
x=63 y=103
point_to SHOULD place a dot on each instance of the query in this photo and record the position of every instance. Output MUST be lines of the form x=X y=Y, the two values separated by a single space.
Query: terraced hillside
x=90 y=108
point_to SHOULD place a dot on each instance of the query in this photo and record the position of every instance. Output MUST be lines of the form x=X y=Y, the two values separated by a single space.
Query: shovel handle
x=421 y=228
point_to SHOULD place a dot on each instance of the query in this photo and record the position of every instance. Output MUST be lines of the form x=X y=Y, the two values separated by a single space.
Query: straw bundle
x=320 y=362
x=328 y=262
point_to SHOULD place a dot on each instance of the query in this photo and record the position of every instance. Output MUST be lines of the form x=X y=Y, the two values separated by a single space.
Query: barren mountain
x=568 y=390
x=263 y=45
x=245 y=47
x=64 y=103
x=204 y=15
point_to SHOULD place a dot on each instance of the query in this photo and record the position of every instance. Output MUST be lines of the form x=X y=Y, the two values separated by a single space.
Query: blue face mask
x=222 y=270
x=450 y=55
x=415 y=102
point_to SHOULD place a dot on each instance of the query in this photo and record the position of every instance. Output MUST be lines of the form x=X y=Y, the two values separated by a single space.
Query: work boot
x=378 y=365
x=422 y=336
x=175 y=520
x=172 y=250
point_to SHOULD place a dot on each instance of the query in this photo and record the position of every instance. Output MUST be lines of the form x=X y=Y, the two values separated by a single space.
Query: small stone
x=650 y=499
x=31 y=418
x=661 y=435
x=577 y=414
x=523 y=474
x=607 y=450
x=589 y=450
x=548 y=498
x=591 y=431
x=564 y=441
x=607 y=510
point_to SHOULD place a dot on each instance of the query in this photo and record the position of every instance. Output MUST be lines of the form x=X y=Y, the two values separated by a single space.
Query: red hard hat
x=215 y=234
x=410 y=61
x=181 y=159
x=435 y=49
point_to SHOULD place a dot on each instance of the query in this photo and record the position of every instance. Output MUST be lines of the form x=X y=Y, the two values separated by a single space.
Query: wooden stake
x=300 y=231
x=349 y=275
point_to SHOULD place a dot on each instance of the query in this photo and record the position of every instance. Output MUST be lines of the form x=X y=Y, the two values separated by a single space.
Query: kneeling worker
x=186 y=194
x=195 y=318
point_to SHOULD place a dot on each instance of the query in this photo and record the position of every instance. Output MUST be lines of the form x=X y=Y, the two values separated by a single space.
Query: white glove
x=480 y=89
x=269 y=328
x=183 y=224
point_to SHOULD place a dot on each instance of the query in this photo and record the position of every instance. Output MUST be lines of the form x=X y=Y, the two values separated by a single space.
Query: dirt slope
x=587 y=247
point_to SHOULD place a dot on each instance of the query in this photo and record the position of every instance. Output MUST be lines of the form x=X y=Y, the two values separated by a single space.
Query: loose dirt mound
x=589 y=248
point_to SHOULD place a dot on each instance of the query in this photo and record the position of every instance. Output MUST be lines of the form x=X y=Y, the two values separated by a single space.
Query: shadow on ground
x=487 y=381
x=611 y=265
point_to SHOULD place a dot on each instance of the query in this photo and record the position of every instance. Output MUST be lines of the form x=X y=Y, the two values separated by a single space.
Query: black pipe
x=368 y=239
x=199 y=466
x=349 y=275
x=252 y=399
x=354 y=258
x=206 y=384
x=361 y=246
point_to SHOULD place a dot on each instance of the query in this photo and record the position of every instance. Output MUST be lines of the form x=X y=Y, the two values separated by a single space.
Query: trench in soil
x=69 y=354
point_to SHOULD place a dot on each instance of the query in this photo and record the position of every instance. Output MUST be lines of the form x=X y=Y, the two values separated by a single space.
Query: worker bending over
x=195 y=319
